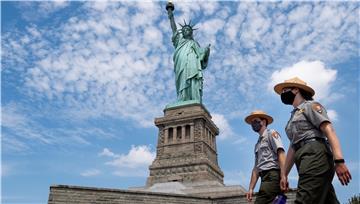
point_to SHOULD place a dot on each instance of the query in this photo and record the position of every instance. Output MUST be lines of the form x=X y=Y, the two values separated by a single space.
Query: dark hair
x=306 y=95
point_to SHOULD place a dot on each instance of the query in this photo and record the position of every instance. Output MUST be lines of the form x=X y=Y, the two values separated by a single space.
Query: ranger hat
x=258 y=114
x=294 y=82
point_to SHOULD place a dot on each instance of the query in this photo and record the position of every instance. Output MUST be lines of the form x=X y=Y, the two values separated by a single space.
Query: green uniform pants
x=315 y=164
x=269 y=187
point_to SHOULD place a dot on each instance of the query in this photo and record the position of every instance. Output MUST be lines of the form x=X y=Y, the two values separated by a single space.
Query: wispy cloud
x=223 y=125
x=240 y=140
x=108 y=153
x=43 y=9
x=116 y=59
x=90 y=172
x=71 y=67
x=22 y=131
x=20 y=125
x=332 y=115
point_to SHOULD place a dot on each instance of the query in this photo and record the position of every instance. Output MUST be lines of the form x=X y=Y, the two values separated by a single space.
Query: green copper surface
x=189 y=61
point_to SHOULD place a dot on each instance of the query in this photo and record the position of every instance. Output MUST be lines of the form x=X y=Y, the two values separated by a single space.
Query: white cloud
x=43 y=9
x=10 y=117
x=116 y=60
x=23 y=132
x=107 y=152
x=209 y=31
x=241 y=140
x=112 y=71
x=332 y=115
x=12 y=144
x=134 y=163
x=14 y=120
x=223 y=125
x=90 y=172
x=137 y=156
x=314 y=73
x=51 y=6
x=300 y=13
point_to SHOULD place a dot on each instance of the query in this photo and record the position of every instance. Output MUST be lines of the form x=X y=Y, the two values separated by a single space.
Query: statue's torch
x=170 y=6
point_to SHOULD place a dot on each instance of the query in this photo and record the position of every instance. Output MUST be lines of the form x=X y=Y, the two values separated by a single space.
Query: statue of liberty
x=189 y=61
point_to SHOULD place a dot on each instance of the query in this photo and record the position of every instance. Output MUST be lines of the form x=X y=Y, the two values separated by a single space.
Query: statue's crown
x=189 y=25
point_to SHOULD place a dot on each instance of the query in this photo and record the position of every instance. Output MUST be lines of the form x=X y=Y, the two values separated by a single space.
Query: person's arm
x=253 y=180
x=281 y=158
x=341 y=169
x=289 y=162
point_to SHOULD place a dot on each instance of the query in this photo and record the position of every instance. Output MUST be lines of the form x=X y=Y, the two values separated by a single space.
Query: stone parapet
x=66 y=194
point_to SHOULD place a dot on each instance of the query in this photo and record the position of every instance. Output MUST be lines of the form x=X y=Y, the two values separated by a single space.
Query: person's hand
x=343 y=173
x=249 y=195
x=284 y=184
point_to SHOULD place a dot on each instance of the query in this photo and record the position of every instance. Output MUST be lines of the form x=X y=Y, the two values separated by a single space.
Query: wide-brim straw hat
x=258 y=114
x=294 y=82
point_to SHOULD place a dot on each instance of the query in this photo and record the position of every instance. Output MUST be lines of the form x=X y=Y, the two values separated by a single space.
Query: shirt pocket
x=264 y=148
x=303 y=125
x=288 y=132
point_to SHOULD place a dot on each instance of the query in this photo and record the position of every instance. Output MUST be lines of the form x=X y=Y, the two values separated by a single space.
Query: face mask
x=288 y=97
x=256 y=126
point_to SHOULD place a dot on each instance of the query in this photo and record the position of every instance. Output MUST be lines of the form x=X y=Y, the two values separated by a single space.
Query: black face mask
x=288 y=97
x=256 y=126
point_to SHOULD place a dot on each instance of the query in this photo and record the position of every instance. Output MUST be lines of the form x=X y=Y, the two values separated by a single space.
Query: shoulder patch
x=275 y=134
x=317 y=107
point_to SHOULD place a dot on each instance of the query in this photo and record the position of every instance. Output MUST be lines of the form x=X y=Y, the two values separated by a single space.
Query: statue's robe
x=189 y=61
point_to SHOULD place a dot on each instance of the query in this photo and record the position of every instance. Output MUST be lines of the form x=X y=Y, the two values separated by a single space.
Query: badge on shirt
x=301 y=110
x=317 y=107
x=275 y=134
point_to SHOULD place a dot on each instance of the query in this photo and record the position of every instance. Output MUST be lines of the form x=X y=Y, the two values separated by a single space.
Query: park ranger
x=314 y=146
x=269 y=158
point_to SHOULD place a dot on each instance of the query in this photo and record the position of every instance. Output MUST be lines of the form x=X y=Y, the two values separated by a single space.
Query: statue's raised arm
x=170 y=8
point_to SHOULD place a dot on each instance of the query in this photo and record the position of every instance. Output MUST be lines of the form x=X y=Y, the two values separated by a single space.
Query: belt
x=264 y=172
x=305 y=141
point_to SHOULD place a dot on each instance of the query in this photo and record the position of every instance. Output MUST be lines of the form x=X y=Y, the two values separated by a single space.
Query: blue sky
x=81 y=84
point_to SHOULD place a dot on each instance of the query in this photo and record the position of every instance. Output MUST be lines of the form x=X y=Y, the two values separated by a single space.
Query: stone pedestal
x=186 y=149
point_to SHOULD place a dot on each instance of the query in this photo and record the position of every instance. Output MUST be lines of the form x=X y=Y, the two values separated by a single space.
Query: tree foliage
x=355 y=199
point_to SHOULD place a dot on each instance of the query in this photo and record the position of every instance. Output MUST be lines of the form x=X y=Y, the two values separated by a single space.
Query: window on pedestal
x=213 y=141
x=187 y=132
x=178 y=133
x=171 y=132
x=209 y=136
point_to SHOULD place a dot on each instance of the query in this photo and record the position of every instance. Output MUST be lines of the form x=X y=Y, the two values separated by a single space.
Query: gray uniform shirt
x=305 y=122
x=266 y=150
